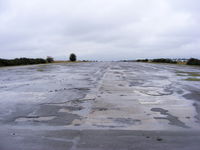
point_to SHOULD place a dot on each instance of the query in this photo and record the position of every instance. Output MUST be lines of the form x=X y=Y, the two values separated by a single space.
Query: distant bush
x=87 y=61
x=21 y=61
x=142 y=60
x=50 y=59
x=193 y=61
x=164 y=60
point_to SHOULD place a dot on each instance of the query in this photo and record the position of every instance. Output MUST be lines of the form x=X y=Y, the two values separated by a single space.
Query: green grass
x=41 y=70
x=192 y=79
x=182 y=75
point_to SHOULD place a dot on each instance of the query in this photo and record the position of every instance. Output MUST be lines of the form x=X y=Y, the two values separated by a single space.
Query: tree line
x=191 y=61
x=24 y=61
x=31 y=61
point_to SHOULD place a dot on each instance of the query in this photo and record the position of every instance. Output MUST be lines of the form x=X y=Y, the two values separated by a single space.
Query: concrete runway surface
x=100 y=106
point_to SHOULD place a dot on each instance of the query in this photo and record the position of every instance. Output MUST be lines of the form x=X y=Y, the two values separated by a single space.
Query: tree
x=50 y=59
x=193 y=61
x=72 y=57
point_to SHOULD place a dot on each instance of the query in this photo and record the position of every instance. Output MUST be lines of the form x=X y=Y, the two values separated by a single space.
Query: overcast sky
x=100 y=29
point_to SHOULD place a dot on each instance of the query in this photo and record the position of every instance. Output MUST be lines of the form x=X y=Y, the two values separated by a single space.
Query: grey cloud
x=100 y=29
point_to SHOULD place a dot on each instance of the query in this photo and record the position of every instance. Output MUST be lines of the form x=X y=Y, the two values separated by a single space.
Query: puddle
x=157 y=92
x=34 y=118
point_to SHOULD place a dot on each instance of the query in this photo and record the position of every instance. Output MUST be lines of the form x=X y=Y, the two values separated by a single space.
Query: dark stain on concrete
x=159 y=139
x=197 y=107
x=33 y=117
x=195 y=96
x=180 y=91
x=168 y=91
x=62 y=118
x=82 y=89
x=128 y=121
x=135 y=83
x=173 y=120
x=74 y=108
x=34 y=114
x=100 y=109
x=106 y=126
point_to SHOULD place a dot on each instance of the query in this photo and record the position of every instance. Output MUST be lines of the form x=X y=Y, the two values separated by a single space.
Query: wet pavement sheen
x=101 y=105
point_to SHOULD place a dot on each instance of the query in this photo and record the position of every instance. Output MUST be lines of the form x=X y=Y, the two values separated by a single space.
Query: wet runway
x=101 y=105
